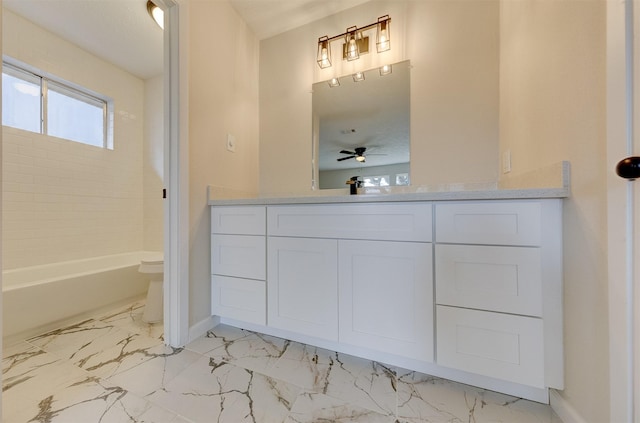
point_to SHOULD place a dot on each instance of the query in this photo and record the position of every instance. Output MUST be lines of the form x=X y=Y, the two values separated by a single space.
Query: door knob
x=629 y=168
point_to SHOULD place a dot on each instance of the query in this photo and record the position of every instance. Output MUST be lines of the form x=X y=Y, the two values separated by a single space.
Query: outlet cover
x=231 y=143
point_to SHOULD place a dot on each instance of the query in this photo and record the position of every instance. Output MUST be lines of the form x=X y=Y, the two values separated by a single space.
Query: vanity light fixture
x=324 y=52
x=355 y=42
x=358 y=76
x=352 y=50
x=334 y=82
x=383 y=42
x=385 y=70
x=156 y=13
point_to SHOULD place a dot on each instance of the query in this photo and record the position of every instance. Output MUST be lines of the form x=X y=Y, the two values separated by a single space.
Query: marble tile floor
x=115 y=368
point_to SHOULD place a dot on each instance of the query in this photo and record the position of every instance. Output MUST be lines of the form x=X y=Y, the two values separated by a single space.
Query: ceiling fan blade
x=345 y=158
x=347 y=152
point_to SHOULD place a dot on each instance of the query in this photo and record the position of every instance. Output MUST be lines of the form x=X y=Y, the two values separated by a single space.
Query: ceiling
x=121 y=31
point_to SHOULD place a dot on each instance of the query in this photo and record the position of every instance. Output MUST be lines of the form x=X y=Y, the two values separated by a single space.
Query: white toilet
x=152 y=264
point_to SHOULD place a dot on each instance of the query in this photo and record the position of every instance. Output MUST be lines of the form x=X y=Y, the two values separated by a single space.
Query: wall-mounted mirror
x=361 y=128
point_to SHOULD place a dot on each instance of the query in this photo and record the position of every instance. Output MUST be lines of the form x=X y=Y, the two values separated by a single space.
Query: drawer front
x=241 y=256
x=492 y=222
x=501 y=346
x=245 y=220
x=506 y=279
x=240 y=299
x=385 y=222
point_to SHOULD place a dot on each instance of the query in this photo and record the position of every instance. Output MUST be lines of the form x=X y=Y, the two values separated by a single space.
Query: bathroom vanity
x=463 y=285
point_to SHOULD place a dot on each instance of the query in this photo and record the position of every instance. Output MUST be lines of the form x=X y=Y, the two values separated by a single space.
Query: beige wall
x=453 y=47
x=223 y=98
x=64 y=200
x=552 y=108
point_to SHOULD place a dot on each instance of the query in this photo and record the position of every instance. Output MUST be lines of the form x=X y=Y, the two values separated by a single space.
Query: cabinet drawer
x=497 y=345
x=241 y=299
x=506 y=279
x=246 y=220
x=241 y=256
x=494 y=222
x=385 y=222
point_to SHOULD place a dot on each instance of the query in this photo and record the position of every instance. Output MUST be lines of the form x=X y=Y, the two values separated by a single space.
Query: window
x=20 y=99
x=376 y=181
x=402 y=179
x=39 y=104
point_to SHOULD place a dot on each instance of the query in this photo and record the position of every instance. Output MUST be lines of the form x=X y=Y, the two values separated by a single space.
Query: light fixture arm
x=358 y=29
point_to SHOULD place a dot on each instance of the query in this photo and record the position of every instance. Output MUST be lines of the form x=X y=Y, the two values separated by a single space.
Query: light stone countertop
x=521 y=187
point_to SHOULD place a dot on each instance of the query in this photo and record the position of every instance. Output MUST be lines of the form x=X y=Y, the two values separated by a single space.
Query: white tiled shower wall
x=64 y=200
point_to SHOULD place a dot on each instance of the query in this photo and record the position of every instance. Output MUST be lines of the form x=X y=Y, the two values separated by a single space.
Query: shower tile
x=212 y=390
x=313 y=407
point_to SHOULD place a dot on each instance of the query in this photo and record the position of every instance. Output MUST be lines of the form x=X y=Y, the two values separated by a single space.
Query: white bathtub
x=38 y=298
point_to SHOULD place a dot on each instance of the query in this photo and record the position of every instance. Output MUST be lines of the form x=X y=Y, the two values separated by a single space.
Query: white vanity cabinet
x=498 y=267
x=357 y=274
x=469 y=290
x=238 y=268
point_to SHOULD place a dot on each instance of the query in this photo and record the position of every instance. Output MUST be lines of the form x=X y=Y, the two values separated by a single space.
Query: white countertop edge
x=497 y=194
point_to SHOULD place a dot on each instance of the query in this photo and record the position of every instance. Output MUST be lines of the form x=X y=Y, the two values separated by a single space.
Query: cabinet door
x=302 y=286
x=386 y=297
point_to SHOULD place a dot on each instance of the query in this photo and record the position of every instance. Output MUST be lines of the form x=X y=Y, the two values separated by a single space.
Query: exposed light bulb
x=384 y=41
x=325 y=57
x=353 y=49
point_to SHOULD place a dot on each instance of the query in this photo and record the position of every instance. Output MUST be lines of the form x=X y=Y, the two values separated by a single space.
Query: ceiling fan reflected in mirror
x=357 y=154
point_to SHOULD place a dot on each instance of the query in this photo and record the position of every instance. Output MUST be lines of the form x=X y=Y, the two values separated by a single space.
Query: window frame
x=74 y=91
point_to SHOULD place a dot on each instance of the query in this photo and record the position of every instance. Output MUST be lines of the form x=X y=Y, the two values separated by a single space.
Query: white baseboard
x=201 y=328
x=563 y=409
